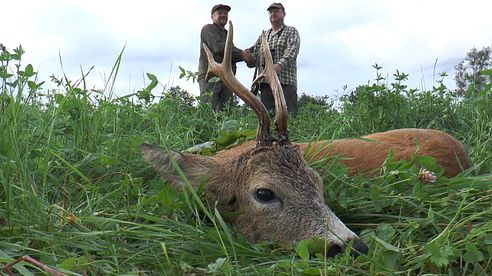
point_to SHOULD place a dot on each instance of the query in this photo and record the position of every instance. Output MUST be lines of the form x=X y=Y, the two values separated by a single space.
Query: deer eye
x=264 y=195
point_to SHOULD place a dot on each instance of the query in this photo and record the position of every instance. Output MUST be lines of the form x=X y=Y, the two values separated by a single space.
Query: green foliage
x=317 y=100
x=187 y=74
x=378 y=107
x=75 y=193
x=469 y=75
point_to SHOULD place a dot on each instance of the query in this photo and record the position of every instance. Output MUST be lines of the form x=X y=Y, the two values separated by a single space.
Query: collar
x=272 y=32
x=218 y=26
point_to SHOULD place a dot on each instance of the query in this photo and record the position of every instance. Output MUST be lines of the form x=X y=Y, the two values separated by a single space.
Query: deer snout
x=339 y=237
x=358 y=248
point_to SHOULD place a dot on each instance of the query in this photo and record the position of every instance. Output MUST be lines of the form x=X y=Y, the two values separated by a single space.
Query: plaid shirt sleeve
x=288 y=44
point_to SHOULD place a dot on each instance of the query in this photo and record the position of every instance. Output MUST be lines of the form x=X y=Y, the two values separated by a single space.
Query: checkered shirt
x=284 y=45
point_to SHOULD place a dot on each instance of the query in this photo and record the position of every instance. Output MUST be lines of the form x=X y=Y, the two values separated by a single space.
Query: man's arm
x=255 y=54
x=293 y=45
x=215 y=41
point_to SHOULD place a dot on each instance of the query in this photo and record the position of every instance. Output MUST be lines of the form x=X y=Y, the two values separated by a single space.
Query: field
x=76 y=195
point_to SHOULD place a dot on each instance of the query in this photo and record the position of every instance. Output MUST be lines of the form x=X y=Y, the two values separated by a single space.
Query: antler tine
x=281 y=115
x=224 y=72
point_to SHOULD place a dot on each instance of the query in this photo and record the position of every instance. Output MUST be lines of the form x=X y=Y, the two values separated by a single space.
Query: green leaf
x=19 y=51
x=390 y=258
x=227 y=138
x=32 y=85
x=389 y=254
x=472 y=254
x=440 y=254
x=249 y=134
x=419 y=191
x=68 y=264
x=13 y=84
x=302 y=250
x=74 y=263
x=166 y=197
x=230 y=125
x=488 y=239
x=430 y=215
x=29 y=71
x=151 y=77
x=285 y=264
x=487 y=72
x=4 y=73
x=200 y=148
x=217 y=265
x=386 y=245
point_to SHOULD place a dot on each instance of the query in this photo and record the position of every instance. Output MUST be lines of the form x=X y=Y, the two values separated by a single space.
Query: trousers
x=290 y=94
x=216 y=93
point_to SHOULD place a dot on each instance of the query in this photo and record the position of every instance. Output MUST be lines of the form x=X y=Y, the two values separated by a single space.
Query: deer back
x=367 y=154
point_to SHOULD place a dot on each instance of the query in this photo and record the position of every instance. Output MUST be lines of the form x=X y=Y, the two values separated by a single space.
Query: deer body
x=367 y=154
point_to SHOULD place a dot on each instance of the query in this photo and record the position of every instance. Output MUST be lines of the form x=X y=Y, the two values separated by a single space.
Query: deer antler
x=270 y=74
x=224 y=72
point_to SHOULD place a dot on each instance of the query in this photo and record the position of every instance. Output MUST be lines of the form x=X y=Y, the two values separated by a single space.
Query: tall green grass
x=76 y=195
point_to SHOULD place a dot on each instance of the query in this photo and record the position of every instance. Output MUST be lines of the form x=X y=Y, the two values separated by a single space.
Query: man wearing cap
x=284 y=43
x=214 y=36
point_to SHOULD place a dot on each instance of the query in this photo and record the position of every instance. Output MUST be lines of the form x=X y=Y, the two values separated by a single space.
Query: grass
x=76 y=195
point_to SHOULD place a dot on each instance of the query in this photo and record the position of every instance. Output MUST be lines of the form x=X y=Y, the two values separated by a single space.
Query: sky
x=341 y=40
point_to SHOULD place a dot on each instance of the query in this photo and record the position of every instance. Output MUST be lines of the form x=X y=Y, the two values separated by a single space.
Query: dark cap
x=220 y=7
x=276 y=6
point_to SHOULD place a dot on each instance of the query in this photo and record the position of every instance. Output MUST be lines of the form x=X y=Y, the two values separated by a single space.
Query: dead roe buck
x=267 y=183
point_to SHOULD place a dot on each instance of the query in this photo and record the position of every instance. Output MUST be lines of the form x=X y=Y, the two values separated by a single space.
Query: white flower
x=427 y=176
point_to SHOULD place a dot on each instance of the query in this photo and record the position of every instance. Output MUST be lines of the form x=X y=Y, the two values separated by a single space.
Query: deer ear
x=194 y=167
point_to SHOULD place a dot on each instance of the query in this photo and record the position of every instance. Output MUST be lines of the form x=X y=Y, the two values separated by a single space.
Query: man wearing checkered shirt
x=284 y=43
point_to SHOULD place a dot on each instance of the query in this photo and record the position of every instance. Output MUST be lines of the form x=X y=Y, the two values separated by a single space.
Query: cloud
x=340 y=39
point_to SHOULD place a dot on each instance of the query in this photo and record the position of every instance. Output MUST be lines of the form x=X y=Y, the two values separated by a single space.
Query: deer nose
x=333 y=250
x=358 y=248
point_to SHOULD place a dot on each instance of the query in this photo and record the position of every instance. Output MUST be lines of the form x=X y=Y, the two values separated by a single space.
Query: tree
x=179 y=94
x=468 y=75
x=319 y=100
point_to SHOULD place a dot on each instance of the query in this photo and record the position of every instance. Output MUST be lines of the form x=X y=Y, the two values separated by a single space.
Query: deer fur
x=298 y=211
x=367 y=154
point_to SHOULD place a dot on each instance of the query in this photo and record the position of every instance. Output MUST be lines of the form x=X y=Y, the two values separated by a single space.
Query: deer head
x=270 y=188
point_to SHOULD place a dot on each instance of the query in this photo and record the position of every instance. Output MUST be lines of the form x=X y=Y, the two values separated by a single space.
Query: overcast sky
x=340 y=39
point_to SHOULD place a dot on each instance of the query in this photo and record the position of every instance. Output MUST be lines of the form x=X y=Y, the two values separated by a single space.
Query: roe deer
x=269 y=187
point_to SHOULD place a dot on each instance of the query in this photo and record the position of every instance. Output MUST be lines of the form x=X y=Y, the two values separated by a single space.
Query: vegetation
x=76 y=195
x=469 y=78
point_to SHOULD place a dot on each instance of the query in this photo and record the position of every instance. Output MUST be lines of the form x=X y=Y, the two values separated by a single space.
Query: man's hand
x=278 y=67
x=246 y=56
